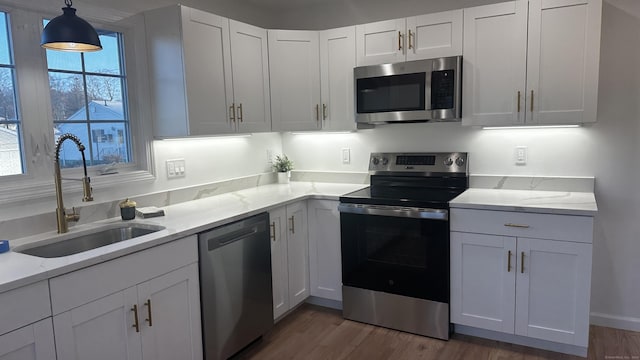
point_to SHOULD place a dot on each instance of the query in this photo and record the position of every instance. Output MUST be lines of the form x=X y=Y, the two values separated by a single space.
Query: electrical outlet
x=176 y=168
x=346 y=156
x=521 y=155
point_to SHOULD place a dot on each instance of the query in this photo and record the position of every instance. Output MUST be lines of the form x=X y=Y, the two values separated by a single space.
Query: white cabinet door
x=295 y=80
x=483 y=281
x=494 y=64
x=380 y=42
x=337 y=60
x=434 y=35
x=563 y=60
x=324 y=249
x=553 y=290
x=101 y=330
x=169 y=316
x=207 y=66
x=279 y=267
x=297 y=253
x=32 y=342
x=190 y=71
x=250 y=77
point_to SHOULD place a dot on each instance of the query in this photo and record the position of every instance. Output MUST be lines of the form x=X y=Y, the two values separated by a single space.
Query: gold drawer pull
x=148 y=305
x=521 y=226
x=521 y=263
x=509 y=261
x=293 y=226
x=136 y=325
x=273 y=231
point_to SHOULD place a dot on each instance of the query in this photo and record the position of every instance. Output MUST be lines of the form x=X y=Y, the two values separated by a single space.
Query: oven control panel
x=455 y=162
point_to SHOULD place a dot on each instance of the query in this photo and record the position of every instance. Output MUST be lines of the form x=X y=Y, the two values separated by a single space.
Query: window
x=88 y=99
x=10 y=138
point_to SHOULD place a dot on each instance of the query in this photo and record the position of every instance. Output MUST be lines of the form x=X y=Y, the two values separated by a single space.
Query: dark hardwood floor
x=313 y=332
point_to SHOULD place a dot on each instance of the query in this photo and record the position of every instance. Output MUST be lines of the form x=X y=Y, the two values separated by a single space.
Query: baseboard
x=614 y=321
x=333 y=304
x=521 y=340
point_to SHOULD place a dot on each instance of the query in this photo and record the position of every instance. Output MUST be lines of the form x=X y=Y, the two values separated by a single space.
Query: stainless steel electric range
x=395 y=242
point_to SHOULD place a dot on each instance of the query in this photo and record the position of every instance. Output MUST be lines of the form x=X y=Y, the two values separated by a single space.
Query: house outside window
x=10 y=130
x=88 y=97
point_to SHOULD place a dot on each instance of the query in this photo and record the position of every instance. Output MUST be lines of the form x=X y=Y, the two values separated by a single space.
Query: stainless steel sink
x=87 y=240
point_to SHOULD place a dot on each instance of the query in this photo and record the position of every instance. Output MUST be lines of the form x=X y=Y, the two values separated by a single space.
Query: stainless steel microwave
x=411 y=91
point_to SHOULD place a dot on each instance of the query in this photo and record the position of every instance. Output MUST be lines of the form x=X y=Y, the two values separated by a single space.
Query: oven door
x=397 y=250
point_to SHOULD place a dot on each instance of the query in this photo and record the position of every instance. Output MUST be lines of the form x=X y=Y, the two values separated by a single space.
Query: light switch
x=521 y=155
x=176 y=168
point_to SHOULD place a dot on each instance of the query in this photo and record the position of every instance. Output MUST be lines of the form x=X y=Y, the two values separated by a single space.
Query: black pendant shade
x=68 y=32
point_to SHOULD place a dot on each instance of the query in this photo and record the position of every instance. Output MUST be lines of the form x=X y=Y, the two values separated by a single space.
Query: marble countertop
x=180 y=220
x=547 y=202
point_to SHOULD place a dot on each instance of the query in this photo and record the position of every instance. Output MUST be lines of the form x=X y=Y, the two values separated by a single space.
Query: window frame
x=34 y=105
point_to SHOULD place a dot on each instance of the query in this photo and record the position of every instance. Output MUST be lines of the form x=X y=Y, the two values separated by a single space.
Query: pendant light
x=68 y=32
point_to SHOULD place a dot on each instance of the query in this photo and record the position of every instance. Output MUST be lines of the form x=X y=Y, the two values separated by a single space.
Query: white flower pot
x=283 y=177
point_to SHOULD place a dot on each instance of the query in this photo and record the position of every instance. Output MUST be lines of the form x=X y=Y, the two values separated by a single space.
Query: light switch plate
x=521 y=155
x=176 y=168
x=346 y=156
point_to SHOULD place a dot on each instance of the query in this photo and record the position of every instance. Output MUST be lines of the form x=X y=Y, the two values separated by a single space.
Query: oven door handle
x=395 y=211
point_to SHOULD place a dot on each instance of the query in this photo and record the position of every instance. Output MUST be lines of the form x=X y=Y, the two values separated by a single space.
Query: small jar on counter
x=128 y=209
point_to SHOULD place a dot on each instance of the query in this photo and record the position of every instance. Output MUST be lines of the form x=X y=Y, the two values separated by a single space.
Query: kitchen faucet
x=62 y=217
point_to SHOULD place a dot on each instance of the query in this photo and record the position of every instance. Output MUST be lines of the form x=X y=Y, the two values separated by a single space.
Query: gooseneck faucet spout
x=61 y=214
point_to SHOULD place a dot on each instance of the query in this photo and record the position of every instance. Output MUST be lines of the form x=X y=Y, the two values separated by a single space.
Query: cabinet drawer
x=517 y=224
x=23 y=306
x=83 y=286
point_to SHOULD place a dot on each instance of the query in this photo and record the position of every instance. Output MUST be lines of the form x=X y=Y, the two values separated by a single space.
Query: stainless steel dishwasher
x=235 y=285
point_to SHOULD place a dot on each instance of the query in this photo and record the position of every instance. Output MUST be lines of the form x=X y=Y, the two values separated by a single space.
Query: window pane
x=10 y=138
x=7 y=95
x=10 y=155
x=67 y=96
x=106 y=93
x=62 y=60
x=106 y=61
x=70 y=156
x=108 y=143
x=5 y=53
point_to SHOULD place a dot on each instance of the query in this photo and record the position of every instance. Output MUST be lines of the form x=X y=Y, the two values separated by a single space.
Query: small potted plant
x=283 y=166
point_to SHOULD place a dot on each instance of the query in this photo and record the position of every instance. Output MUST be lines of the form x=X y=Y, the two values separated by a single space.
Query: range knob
x=460 y=161
x=385 y=161
x=448 y=161
x=375 y=161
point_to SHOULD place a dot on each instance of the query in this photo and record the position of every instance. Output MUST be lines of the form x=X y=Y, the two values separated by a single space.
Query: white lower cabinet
x=325 y=266
x=530 y=277
x=32 y=342
x=289 y=256
x=158 y=318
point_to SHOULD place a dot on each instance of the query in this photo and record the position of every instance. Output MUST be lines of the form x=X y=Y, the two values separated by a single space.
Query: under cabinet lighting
x=321 y=132
x=529 y=127
x=212 y=137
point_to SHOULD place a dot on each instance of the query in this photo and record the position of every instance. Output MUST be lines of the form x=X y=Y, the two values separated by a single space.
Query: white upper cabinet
x=295 y=80
x=250 y=59
x=532 y=62
x=419 y=37
x=337 y=60
x=196 y=91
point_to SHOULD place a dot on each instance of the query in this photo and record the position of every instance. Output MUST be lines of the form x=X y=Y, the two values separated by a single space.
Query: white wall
x=608 y=150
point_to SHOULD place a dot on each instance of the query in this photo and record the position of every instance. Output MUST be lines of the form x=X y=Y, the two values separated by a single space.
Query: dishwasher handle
x=219 y=241
x=233 y=232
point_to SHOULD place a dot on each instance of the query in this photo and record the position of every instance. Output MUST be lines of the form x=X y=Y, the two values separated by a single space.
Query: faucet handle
x=73 y=216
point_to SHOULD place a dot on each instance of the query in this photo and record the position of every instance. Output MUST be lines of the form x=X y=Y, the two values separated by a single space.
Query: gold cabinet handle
x=399 y=40
x=531 y=100
x=273 y=231
x=410 y=36
x=521 y=226
x=324 y=111
x=232 y=112
x=509 y=261
x=148 y=305
x=240 y=112
x=136 y=324
x=317 y=112
x=293 y=226
x=522 y=262
x=519 y=96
